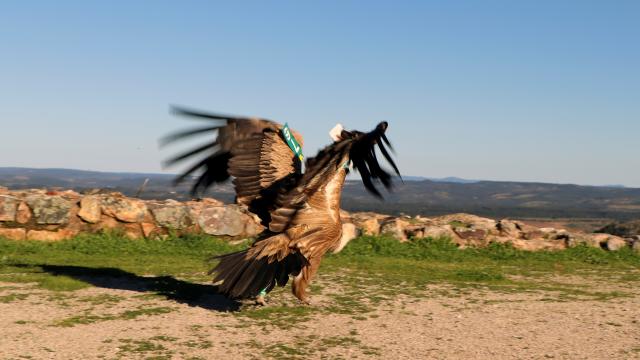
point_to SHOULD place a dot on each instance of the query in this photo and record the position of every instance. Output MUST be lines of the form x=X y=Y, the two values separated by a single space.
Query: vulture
x=300 y=210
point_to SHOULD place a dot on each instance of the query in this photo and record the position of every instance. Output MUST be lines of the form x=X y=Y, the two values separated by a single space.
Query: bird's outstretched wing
x=252 y=150
x=355 y=147
x=306 y=223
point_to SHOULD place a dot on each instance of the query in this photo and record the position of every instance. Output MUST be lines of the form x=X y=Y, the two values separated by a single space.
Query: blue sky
x=503 y=90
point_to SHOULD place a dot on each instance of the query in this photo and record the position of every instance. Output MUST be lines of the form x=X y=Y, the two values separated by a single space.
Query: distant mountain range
x=450 y=179
x=416 y=195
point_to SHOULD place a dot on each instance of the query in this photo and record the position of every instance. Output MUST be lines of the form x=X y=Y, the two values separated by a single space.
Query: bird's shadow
x=184 y=292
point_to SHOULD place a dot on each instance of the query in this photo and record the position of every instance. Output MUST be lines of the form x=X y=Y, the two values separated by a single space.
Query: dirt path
x=108 y=323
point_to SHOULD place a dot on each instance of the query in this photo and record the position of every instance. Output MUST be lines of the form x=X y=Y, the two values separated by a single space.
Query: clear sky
x=502 y=90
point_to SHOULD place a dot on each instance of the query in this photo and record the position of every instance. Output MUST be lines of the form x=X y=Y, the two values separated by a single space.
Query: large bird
x=301 y=211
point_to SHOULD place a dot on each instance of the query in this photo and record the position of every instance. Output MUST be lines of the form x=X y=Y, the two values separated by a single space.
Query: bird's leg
x=260 y=299
x=298 y=287
x=302 y=280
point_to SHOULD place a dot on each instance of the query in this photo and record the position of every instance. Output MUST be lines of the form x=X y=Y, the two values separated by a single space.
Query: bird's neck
x=334 y=192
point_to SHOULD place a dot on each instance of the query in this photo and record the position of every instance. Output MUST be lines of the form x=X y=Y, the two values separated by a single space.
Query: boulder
x=509 y=228
x=615 y=243
x=109 y=224
x=636 y=245
x=90 y=209
x=414 y=232
x=596 y=240
x=367 y=222
x=555 y=234
x=204 y=202
x=49 y=209
x=584 y=239
x=470 y=233
x=13 y=234
x=124 y=209
x=148 y=229
x=46 y=235
x=132 y=230
x=349 y=232
x=395 y=228
x=8 y=207
x=172 y=217
x=370 y=226
x=23 y=213
x=228 y=221
x=463 y=220
x=439 y=232
x=538 y=244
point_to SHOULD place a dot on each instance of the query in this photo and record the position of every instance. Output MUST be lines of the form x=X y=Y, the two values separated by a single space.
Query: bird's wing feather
x=359 y=148
x=319 y=172
x=252 y=150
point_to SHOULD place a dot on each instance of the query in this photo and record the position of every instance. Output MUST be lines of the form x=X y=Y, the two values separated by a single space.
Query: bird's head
x=339 y=133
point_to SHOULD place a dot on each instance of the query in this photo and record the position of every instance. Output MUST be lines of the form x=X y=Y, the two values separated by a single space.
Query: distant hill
x=159 y=185
x=415 y=196
x=450 y=179
x=500 y=199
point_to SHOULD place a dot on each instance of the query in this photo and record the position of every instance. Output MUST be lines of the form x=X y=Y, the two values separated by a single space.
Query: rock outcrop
x=467 y=230
x=55 y=215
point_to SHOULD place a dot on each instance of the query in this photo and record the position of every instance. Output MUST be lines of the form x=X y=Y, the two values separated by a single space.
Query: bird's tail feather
x=245 y=276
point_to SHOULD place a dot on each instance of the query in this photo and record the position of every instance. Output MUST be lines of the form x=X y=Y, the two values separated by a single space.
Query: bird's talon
x=260 y=300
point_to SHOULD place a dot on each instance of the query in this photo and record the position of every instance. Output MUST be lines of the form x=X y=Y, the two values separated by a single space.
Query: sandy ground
x=109 y=323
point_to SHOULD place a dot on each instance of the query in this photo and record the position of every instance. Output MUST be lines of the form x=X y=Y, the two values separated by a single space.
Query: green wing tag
x=292 y=142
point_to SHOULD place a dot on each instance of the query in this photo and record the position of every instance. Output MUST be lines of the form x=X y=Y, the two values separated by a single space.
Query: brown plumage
x=301 y=211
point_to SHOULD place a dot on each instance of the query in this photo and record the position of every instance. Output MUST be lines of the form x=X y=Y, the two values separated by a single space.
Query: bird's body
x=301 y=211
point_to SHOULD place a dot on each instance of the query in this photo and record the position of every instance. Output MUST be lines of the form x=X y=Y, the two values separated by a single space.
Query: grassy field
x=369 y=272
x=381 y=260
x=379 y=263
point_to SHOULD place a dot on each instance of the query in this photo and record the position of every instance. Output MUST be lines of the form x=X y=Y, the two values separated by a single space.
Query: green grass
x=304 y=347
x=13 y=297
x=157 y=256
x=385 y=268
x=371 y=269
x=101 y=255
x=139 y=346
x=437 y=260
x=104 y=299
x=88 y=318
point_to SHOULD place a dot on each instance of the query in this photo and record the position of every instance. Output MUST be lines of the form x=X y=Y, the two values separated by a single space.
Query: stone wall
x=467 y=230
x=54 y=215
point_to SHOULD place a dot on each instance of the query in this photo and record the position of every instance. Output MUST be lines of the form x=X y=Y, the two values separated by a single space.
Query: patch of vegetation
x=132 y=314
x=163 y=338
x=281 y=350
x=13 y=297
x=88 y=318
x=437 y=260
x=377 y=269
x=280 y=316
x=130 y=346
x=304 y=347
x=102 y=299
x=40 y=278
